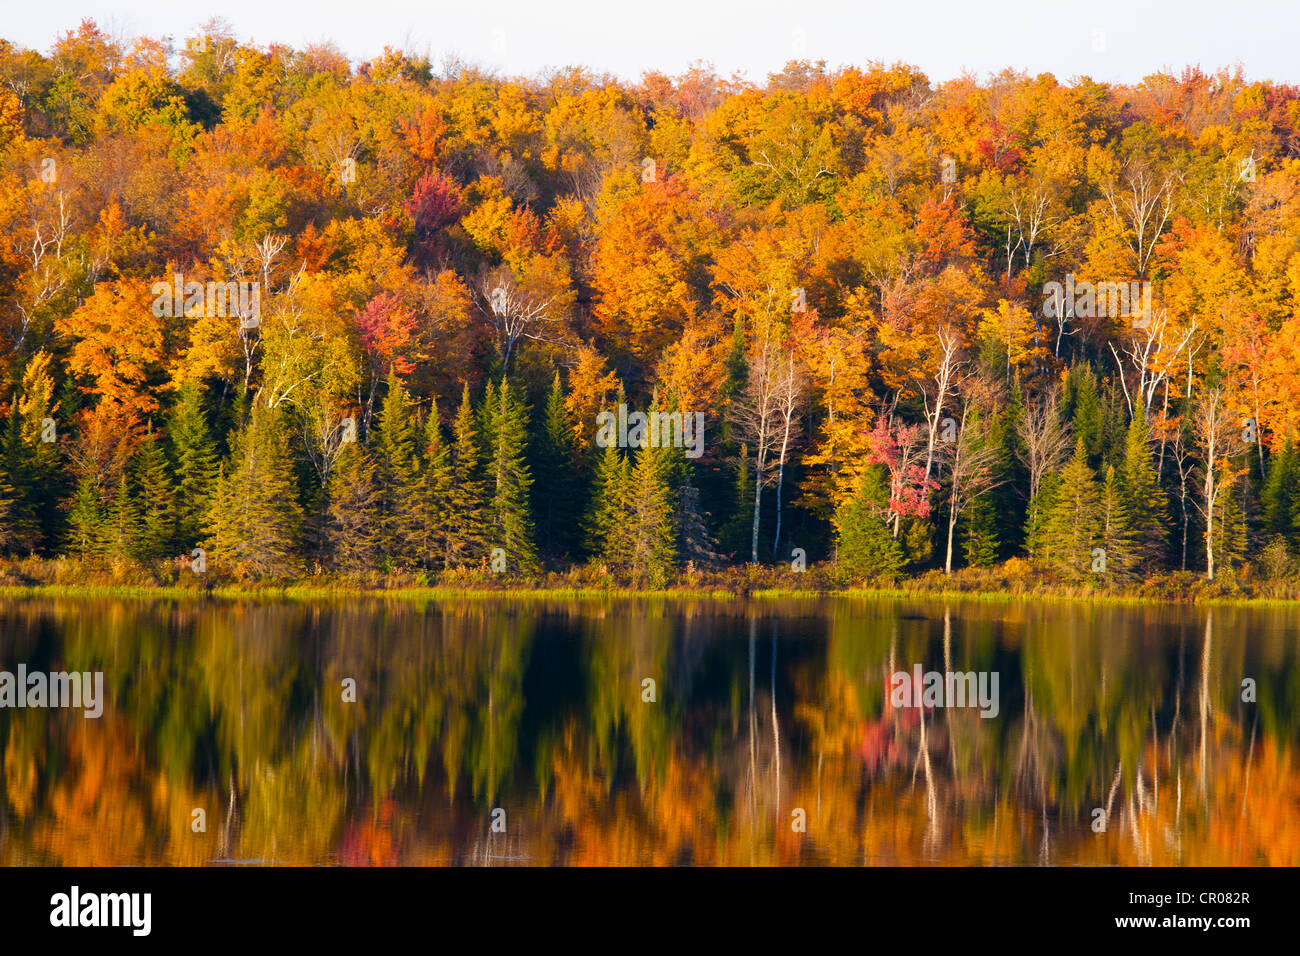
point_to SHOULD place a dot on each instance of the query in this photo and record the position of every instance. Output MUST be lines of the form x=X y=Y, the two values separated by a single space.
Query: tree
x=118 y=348
x=1217 y=441
x=510 y=525
x=467 y=507
x=86 y=520
x=120 y=530
x=352 y=529
x=1044 y=442
x=651 y=534
x=1281 y=491
x=195 y=465
x=866 y=548
x=556 y=491
x=1117 y=534
x=606 y=523
x=1143 y=499
x=972 y=472
x=1072 y=526
x=156 y=532
x=789 y=395
x=436 y=515
x=42 y=474
x=22 y=517
x=399 y=473
x=754 y=414
x=255 y=514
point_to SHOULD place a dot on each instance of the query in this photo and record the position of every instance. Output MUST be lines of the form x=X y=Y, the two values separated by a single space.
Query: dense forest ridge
x=264 y=315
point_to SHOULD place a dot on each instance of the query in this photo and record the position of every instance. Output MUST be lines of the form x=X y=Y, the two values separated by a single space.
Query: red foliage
x=898 y=449
x=387 y=330
x=435 y=203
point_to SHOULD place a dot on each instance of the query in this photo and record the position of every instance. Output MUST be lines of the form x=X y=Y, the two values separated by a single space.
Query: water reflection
x=768 y=735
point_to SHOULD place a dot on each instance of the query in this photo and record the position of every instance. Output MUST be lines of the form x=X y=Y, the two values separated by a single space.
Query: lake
x=841 y=731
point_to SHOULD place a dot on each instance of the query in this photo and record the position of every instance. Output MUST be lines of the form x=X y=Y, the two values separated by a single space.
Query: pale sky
x=1109 y=40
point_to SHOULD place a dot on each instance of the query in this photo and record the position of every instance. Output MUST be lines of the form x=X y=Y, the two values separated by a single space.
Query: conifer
x=256 y=517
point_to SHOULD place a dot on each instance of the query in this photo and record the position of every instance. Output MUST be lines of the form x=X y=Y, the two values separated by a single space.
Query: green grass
x=304 y=592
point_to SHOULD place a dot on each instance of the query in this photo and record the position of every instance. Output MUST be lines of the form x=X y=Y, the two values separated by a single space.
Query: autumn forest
x=267 y=314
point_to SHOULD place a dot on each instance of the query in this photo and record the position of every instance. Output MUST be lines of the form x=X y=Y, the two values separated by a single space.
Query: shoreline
x=309 y=592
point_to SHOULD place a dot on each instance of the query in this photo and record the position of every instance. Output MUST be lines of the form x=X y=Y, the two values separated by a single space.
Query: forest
x=267 y=314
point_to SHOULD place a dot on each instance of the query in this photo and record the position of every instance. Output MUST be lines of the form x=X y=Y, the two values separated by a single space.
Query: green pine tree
x=979 y=532
x=510 y=524
x=24 y=527
x=256 y=517
x=121 y=528
x=466 y=539
x=1036 y=519
x=1281 y=491
x=1231 y=526
x=157 y=500
x=605 y=525
x=1071 y=526
x=1118 y=537
x=398 y=468
x=735 y=536
x=866 y=545
x=7 y=499
x=1143 y=499
x=652 y=533
x=352 y=531
x=85 y=534
x=194 y=464
x=435 y=497
x=556 y=491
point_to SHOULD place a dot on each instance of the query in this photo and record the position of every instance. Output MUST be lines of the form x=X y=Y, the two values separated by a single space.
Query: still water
x=649 y=731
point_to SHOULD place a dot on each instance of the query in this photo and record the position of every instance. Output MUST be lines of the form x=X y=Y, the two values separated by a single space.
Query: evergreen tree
x=736 y=533
x=195 y=465
x=157 y=500
x=651 y=530
x=1082 y=407
x=606 y=523
x=85 y=534
x=256 y=517
x=466 y=541
x=1072 y=525
x=1117 y=534
x=1230 y=525
x=24 y=528
x=1281 y=491
x=1007 y=504
x=436 y=515
x=1036 y=519
x=979 y=531
x=7 y=499
x=120 y=530
x=45 y=478
x=398 y=468
x=866 y=544
x=1144 y=501
x=556 y=490
x=352 y=530
x=509 y=520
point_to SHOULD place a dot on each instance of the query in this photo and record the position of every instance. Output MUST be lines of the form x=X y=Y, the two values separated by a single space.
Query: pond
x=841 y=731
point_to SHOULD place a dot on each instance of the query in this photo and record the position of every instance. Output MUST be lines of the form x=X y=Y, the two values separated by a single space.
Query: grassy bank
x=1013 y=580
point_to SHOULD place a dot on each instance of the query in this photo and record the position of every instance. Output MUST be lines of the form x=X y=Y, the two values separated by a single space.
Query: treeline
x=270 y=311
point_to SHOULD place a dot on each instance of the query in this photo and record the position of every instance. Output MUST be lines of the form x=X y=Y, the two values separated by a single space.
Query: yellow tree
x=117 y=348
